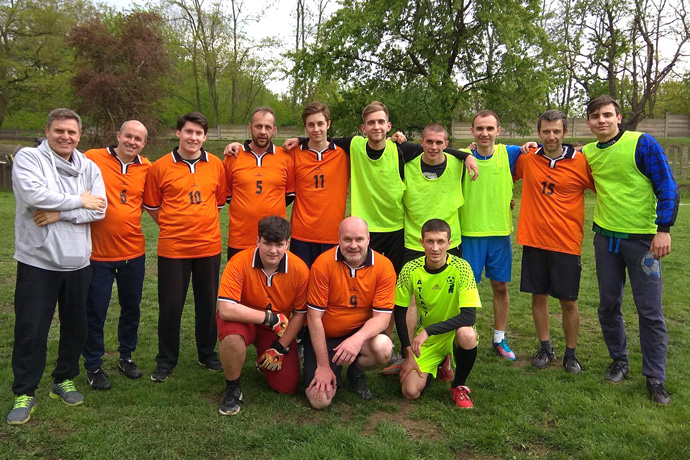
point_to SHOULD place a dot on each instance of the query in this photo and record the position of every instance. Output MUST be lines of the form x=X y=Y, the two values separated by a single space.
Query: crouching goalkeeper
x=262 y=301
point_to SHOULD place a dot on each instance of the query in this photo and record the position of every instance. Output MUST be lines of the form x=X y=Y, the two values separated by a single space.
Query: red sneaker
x=445 y=370
x=461 y=397
x=394 y=366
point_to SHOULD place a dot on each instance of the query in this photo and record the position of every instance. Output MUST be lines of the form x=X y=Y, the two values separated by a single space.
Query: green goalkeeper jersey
x=439 y=293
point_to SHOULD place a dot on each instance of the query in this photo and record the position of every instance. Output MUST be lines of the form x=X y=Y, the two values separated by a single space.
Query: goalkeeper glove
x=276 y=322
x=272 y=359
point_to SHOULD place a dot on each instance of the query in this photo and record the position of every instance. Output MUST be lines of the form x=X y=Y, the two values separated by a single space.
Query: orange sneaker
x=461 y=397
x=445 y=370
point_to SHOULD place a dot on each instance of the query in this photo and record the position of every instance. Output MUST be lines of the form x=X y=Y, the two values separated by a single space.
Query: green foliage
x=437 y=55
x=34 y=60
x=673 y=97
x=120 y=62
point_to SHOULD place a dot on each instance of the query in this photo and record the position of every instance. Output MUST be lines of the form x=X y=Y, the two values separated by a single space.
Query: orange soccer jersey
x=118 y=236
x=348 y=297
x=245 y=282
x=552 y=207
x=321 y=180
x=257 y=186
x=188 y=195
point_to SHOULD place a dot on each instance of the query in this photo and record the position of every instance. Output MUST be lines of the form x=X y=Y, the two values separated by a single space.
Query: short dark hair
x=194 y=117
x=553 y=115
x=314 y=108
x=435 y=128
x=598 y=102
x=486 y=113
x=436 y=225
x=274 y=229
x=63 y=114
x=263 y=109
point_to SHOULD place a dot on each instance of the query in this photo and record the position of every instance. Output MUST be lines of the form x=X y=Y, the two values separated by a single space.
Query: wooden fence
x=670 y=126
x=242 y=132
x=678 y=158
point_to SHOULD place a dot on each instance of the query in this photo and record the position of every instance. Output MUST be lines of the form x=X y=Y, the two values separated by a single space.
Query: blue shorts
x=493 y=252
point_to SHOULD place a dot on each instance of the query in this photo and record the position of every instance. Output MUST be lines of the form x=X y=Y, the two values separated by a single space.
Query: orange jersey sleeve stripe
x=188 y=197
x=285 y=291
x=321 y=180
x=552 y=206
x=257 y=186
x=118 y=236
x=347 y=296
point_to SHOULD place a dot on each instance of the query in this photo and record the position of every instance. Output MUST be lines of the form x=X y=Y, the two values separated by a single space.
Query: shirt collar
x=610 y=142
x=304 y=145
x=568 y=151
x=111 y=150
x=258 y=264
x=178 y=157
x=368 y=261
x=247 y=143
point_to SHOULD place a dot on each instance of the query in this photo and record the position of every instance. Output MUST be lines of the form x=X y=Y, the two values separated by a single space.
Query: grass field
x=520 y=412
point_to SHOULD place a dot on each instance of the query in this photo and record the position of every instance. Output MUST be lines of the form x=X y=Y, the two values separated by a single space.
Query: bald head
x=353 y=223
x=135 y=123
x=131 y=140
x=353 y=236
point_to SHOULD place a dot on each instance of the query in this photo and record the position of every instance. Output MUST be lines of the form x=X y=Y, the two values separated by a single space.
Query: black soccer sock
x=353 y=369
x=546 y=345
x=464 y=362
x=569 y=352
x=232 y=384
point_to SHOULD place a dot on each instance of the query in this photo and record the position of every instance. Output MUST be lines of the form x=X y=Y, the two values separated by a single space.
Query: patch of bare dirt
x=416 y=429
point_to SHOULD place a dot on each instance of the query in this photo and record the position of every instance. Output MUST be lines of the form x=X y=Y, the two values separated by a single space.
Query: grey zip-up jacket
x=42 y=180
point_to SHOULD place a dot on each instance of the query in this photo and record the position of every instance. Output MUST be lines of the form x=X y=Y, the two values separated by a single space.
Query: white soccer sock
x=499 y=336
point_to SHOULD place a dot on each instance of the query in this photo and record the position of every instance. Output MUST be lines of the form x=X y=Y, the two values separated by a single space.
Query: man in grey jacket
x=58 y=192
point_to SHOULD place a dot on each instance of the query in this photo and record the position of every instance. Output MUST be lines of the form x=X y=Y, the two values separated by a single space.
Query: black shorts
x=411 y=254
x=308 y=251
x=549 y=272
x=232 y=252
x=310 y=358
x=391 y=245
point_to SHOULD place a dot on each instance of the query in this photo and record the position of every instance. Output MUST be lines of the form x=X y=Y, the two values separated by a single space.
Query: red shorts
x=286 y=379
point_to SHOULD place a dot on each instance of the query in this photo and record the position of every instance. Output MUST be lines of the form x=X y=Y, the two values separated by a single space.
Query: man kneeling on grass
x=351 y=294
x=447 y=298
x=261 y=287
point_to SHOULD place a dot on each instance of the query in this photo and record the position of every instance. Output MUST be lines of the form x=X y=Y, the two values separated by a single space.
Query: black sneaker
x=617 y=372
x=572 y=365
x=231 y=401
x=98 y=379
x=658 y=392
x=128 y=367
x=359 y=383
x=542 y=358
x=212 y=364
x=161 y=374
